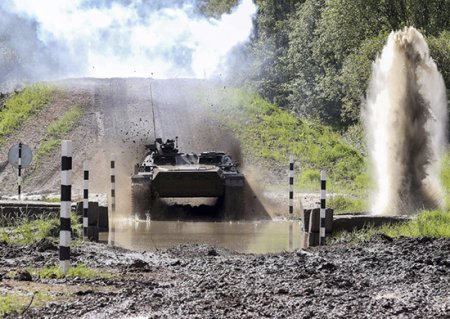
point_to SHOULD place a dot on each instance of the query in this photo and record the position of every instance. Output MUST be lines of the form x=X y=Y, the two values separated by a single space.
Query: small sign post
x=20 y=156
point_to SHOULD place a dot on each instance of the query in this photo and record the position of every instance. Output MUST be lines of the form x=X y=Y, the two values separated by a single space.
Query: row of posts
x=323 y=211
x=66 y=199
x=66 y=202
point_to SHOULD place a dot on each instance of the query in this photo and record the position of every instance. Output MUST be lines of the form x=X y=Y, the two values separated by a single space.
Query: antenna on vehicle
x=153 y=111
x=176 y=141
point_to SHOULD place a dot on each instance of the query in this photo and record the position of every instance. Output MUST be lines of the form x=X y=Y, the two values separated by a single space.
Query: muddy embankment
x=406 y=278
x=121 y=116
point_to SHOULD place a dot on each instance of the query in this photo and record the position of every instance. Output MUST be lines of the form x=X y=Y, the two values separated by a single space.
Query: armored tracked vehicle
x=168 y=173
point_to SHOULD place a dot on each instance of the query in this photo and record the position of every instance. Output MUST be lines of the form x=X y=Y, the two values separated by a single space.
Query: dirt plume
x=405 y=118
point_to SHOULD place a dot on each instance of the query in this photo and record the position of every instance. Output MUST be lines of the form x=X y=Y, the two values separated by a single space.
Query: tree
x=269 y=47
x=355 y=75
x=314 y=57
x=303 y=69
x=440 y=52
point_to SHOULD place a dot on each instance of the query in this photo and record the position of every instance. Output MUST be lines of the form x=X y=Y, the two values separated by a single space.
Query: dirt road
x=120 y=116
x=117 y=119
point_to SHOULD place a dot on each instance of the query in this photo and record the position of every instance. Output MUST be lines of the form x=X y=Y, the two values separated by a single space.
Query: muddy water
x=247 y=237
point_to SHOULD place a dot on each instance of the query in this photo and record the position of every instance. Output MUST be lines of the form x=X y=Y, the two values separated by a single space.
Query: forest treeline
x=313 y=57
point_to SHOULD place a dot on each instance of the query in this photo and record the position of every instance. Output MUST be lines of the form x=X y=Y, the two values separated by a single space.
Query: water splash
x=405 y=118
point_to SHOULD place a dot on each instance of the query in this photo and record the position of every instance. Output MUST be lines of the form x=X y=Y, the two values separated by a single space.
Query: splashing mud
x=405 y=118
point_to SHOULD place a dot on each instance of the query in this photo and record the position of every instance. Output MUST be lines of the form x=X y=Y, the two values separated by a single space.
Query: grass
x=434 y=224
x=347 y=204
x=51 y=199
x=79 y=271
x=56 y=131
x=16 y=303
x=22 y=106
x=17 y=297
x=27 y=232
x=354 y=237
x=427 y=224
x=271 y=135
x=445 y=178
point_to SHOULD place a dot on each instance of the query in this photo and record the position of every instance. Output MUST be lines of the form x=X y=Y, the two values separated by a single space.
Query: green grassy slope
x=270 y=134
x=22 y=106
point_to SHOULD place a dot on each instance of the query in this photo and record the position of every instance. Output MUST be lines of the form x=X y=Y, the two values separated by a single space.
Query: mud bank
x=383 y=277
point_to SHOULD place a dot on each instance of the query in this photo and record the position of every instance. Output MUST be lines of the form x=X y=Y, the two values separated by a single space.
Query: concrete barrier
x=311 y=219
x=103 y=222
x=97 y=219
x=354 y=222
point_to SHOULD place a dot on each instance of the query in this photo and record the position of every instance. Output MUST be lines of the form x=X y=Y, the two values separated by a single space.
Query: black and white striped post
x=113 y=184
x=291 y=184
x=112 y=229
x=85 y=197
x=323 y=195
x=66 y=201
x=19 y=173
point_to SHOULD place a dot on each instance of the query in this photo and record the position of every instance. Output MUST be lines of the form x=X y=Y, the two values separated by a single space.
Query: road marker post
x=20 y=157
x=113 y=185
x=112 y=228
x=66 y=201
x=291 y=184
x=19 y=173
x=85 y=198
x=323 y=195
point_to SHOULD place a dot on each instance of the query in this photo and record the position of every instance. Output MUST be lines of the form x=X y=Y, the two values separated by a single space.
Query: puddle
x=247 y=237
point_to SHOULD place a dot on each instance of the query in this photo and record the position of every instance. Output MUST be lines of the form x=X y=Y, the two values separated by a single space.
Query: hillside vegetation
x=56 y=131
x=272 y=134
x=40 y=116
x=21 y=106
x=269 y=135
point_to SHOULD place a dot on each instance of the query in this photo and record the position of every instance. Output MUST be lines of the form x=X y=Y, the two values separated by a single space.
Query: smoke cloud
x=123 y=38
x=405 y=118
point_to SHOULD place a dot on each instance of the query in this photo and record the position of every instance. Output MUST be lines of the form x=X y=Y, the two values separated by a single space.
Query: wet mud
x=385 y=277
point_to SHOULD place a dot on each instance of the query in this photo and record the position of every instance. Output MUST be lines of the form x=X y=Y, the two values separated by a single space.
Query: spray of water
x=405 y=117
x=119 y=38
